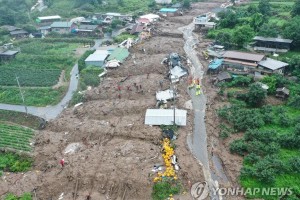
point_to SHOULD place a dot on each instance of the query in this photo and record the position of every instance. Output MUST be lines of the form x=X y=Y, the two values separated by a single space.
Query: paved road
x=49 y=112
x=197 y=141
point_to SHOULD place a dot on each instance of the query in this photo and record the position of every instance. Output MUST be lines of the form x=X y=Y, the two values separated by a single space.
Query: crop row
x=28 y=77
x=15 y=137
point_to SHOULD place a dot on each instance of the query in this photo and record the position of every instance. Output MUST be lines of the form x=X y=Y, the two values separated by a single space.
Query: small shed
x=282 y=92
x=165 y=117
x=270 y=65
x=119 y=54
x=224 y=76
x=97 y=58
x=19 y=33
x=7 y=55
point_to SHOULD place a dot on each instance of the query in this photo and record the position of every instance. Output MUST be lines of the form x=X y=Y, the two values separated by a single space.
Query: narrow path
x=49 y=112
x=197 y=141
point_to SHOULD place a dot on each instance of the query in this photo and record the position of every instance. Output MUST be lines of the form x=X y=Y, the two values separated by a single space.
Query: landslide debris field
x=109 y=152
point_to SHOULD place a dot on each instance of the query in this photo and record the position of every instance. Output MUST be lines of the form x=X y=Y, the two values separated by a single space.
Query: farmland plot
x=29 y=77
x=38 y=66
x=15 y=137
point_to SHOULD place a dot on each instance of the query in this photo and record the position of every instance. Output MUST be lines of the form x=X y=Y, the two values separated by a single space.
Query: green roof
x=119 y=54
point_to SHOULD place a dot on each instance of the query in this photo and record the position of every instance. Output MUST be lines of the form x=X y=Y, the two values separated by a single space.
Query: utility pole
x=174 y=96
x=21 y=94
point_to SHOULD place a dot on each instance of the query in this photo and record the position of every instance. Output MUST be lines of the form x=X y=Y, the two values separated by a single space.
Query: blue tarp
x=215 y=64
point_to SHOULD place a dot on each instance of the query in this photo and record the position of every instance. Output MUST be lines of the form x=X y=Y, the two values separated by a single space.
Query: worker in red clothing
x=62 y=162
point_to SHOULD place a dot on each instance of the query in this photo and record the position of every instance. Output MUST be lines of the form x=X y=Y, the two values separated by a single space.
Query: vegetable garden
x=15 y=137
x=39 y=64
x=29 y=77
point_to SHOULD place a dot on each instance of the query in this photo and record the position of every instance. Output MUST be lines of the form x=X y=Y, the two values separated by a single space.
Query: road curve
x=49 y=112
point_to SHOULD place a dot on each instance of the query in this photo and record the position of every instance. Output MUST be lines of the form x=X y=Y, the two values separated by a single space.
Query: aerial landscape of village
x=149 y=99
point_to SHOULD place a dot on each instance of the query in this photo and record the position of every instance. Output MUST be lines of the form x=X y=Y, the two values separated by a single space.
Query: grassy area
x=33 y=97
x=10 y=162
x=162 y=190
x=25 y=196
x=19 y=118
x=15 y=137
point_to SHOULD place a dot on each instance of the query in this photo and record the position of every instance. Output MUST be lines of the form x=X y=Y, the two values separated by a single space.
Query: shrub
x=14 y=163
x=239 y=147
x=90 y=76
x=162 y=190
x=81 y=61
x=251 y=158
x=295 y=164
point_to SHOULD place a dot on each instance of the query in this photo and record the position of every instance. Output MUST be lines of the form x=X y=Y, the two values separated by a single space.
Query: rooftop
x=99 y=55
x=168 y=10
x=136 y=29
x=61 y=24
x=165 y=117
x=272 y=64
x=10 y=28
x=215 y=64
x=8 y=53
x=272 y=39
x=119 y=54
x=18 y=32
x=49 y=17
x=243 y=56
x=87 y=27
x=223 y=76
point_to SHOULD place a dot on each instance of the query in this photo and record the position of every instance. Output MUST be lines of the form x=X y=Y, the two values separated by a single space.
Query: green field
x=29 y=77
x=38 y=65
x=75 y=8
x=16 y=137
x=32 y=96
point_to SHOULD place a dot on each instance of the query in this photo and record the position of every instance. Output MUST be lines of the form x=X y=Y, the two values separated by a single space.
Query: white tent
x=165 y=117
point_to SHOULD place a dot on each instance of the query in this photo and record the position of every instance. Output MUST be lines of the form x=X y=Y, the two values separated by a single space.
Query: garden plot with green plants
x=16 y=138
x=39 y=66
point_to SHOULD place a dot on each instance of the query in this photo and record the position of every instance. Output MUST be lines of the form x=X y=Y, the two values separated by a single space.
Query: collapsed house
x=165 y=95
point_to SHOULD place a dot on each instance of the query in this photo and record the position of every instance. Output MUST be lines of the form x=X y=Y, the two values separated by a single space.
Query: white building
x=165 y=117
x=163 y=1
x=97 y=58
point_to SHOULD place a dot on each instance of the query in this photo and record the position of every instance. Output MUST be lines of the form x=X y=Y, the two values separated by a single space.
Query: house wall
x=275 y=45
x=61 y=30
x=95 y=63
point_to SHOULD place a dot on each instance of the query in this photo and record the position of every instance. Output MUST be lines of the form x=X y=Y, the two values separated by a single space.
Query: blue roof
x=215 y=64
x=168 y=10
